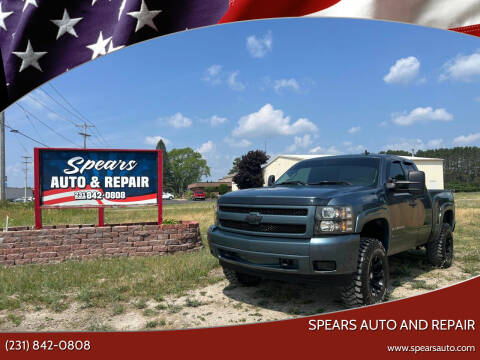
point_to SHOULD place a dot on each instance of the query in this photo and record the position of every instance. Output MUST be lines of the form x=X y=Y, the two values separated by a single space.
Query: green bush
x=223 y=189
x=462 y=187
x=170 y=221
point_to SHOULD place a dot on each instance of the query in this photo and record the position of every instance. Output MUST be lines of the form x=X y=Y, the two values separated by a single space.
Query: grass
x=107 y=281
x=118 y=309
x=119 y=283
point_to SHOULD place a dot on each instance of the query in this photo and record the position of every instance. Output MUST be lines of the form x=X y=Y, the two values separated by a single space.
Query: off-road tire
x=370 y=281
x=239 y=279
x=440 y=248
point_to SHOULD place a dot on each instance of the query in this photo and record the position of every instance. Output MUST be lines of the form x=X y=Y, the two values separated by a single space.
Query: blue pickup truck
x=334 y=218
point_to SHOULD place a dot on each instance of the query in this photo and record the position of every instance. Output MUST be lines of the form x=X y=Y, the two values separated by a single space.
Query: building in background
x=17 y=192
x=229 y=180
x=205 y=185
x=432 y=167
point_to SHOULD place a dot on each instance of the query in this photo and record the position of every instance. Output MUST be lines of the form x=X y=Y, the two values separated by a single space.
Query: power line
x=20 y=143
x=44 y=124
x=25 y=135
x=33 y=125
x=52 y=111
x=79 y=113
x=60 y=104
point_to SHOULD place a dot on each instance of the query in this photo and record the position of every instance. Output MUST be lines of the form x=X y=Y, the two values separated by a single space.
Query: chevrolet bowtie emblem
x=253 y=218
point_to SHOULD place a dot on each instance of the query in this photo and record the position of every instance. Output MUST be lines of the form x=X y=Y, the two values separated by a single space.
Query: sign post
x=96 y=178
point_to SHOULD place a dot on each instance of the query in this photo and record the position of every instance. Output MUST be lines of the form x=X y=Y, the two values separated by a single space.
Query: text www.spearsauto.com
x=430 y=348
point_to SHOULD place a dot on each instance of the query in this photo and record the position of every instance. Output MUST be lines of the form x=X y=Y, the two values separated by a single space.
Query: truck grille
x=264 y=227
x=264 y=211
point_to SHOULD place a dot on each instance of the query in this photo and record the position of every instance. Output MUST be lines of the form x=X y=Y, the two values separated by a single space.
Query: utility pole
x=26 y=162
x=84 y=126
x=2 y=157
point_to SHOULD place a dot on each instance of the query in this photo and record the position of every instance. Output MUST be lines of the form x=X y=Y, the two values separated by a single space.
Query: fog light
x=324 y=265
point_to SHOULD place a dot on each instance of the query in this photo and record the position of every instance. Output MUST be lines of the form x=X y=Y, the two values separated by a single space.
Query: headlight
x=333 y=219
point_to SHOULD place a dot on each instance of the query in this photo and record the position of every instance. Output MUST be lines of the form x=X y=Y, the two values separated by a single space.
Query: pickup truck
x=334 y=218
x=198 y=195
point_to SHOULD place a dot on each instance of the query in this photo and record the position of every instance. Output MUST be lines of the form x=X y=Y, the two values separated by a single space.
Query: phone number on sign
x=97 y=195
x=47 y=345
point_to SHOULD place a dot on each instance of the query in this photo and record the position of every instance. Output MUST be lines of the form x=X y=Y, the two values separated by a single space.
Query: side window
x=396 y=171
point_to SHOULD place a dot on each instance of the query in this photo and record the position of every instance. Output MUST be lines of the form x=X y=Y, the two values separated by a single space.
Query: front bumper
x=270 y=255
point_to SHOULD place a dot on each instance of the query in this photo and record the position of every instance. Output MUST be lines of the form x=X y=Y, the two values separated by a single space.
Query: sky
x=290 y=86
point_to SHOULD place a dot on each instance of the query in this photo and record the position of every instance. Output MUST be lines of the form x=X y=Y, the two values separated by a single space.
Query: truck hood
x=290 y=195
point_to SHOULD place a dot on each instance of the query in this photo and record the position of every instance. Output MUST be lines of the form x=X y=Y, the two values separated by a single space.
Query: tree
x=167 y=171
x=187 y=166
x=249 y=173
x=234 y=168
x=223 y=189
x=461 y=167
x=396 y=152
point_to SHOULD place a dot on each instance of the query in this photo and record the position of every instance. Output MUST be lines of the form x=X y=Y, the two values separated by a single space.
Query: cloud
x=179 y=121
x=300 y=142
x=212 y=74
x=332 y=150
x=233 y=83
x=153 y=140
x=270 y=122
x=463 y=68
x=434 y=143
x=383 y=124
x=354 y=130
x=217 y=120
x=467 y=139
x=352 y=148
x=291 y=84
x=261 y=46
x=237 y=142
x=406 y=144
x=404 y=71
x=421 y=115
x=207 y=147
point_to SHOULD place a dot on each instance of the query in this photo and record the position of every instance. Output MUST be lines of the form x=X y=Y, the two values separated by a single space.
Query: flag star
x=29 y=57
x=94 y=1
x=122 y=7
x=66 y=24
x=144 y=17
x=3 y=16
x=29 y=2
x=99 y=47
x=111 y=48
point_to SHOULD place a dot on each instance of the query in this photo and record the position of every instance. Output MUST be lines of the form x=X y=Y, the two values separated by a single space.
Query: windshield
x=333 y=171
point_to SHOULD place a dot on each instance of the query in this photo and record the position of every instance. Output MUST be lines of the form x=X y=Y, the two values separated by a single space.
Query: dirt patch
x=220 y=304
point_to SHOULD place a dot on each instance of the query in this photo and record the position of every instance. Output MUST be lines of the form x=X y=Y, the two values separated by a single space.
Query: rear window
x=356 y=171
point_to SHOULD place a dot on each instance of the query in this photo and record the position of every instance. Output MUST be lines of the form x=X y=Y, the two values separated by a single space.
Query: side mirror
x=271 y=180
x=416 y=182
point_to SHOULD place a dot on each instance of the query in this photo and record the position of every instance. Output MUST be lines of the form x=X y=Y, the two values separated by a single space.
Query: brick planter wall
x=22 y=245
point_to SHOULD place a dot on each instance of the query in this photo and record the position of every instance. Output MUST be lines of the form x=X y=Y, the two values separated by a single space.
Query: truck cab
x=335 y=218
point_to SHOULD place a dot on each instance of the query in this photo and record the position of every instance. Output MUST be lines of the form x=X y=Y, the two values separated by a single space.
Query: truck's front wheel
x=369 y=282
x=236 y=278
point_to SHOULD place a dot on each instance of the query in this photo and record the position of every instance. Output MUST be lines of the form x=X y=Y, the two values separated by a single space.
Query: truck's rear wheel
x=440 y=249
x=369 y=282
x=239 y=279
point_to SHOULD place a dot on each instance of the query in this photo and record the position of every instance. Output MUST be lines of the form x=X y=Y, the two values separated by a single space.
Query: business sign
x=99 y=178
